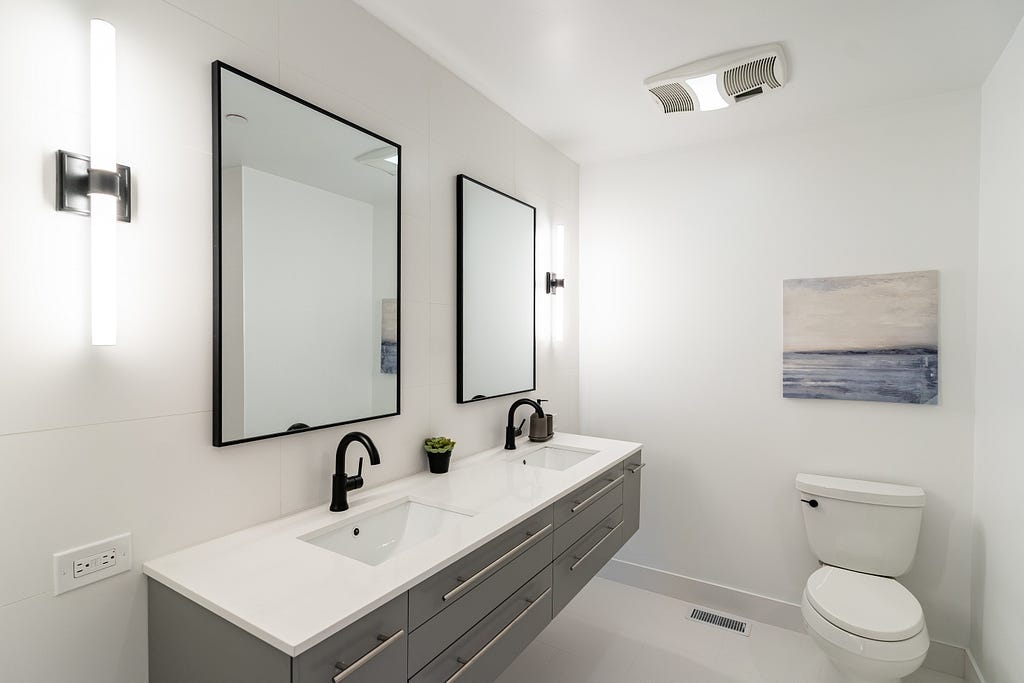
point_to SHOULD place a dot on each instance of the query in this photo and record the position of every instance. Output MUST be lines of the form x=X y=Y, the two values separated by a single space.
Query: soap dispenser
x=542 y=428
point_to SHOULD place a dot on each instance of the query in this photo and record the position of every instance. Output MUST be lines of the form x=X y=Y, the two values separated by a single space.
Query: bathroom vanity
x=429 y=578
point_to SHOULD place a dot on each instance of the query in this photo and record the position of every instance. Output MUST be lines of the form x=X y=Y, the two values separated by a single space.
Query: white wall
x=683 y=258
x=998 y=591
x=99 y=440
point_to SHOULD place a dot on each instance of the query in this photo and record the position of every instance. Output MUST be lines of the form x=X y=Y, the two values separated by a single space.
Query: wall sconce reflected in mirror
x=97 y=186
x=552 y=283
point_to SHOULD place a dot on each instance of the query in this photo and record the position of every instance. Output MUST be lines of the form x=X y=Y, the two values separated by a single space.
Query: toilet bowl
x=871 y=627
x=864 y=533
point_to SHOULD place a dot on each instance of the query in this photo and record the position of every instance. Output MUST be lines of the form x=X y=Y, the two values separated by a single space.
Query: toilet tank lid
x=856 y=490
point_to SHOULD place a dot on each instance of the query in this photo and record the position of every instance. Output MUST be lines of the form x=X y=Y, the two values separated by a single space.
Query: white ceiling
x=571 y=70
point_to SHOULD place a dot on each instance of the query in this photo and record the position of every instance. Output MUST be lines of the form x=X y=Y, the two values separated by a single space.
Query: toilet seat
x=842 y=645
x=872 y=607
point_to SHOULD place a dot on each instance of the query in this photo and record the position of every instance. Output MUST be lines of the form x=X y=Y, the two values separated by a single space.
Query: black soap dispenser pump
x=542 y=428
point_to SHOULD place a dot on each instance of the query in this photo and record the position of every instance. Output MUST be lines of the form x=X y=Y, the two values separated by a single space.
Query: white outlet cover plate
x=64 y=563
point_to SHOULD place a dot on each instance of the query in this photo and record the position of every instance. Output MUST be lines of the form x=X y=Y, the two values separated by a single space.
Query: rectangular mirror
x=496 y=296
x=306 y=265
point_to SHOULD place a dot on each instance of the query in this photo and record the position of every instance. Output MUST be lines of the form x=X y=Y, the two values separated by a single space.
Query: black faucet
x=341 y=484
x=511 y=432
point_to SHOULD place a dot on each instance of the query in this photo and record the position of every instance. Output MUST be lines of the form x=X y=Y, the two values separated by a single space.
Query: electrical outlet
x=91 y=563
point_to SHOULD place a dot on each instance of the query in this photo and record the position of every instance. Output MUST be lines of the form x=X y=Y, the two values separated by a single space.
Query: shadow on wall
x=978 y=566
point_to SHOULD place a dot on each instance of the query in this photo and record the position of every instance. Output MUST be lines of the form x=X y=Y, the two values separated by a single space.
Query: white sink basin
x=384 y=532
x=552 y=457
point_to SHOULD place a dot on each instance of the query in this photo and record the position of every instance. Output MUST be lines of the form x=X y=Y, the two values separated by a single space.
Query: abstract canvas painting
x=389 y=337
x=863 y=338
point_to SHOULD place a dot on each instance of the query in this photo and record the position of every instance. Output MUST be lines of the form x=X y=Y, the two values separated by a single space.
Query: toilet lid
x=870 y=606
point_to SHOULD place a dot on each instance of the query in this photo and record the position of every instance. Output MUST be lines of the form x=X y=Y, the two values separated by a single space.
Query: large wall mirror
x=496 y=297
x=306 y=265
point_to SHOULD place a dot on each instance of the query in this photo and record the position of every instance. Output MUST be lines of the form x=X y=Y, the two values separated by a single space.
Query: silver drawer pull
x=385 y=643
x=466 y=663
x=465 y=584
x=596 y=494
x=636 y=468
x=611 y=530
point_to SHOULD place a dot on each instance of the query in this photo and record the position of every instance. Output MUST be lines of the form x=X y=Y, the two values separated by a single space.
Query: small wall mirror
x=306 y=265
x=496 y=297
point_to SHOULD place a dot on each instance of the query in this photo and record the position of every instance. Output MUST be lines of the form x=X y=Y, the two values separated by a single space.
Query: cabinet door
x=578 y=565
x=463 y=576
x=489 y=647
x=631 y=496
x=372 y=650
x=582 y=498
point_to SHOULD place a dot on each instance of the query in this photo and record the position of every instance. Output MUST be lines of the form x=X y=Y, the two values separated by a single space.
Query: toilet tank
x=866 y=526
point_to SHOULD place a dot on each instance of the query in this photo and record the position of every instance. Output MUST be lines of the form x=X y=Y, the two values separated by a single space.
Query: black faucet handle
x=360 y=472
x=519 y=429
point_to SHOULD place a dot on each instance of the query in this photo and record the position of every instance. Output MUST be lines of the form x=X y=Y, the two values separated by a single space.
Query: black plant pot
x=439 y=462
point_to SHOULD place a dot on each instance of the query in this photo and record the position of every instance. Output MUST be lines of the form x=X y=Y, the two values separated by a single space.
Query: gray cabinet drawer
x=588 y=517
x=631 y=496
x=462 y=577
x=372 y=650
x=445 y=627
x=485 y=651
x=579 y=500
x=577 y=565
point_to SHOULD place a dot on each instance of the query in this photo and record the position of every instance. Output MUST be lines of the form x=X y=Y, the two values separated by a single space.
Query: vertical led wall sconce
x=552 y=283
x=98 y=187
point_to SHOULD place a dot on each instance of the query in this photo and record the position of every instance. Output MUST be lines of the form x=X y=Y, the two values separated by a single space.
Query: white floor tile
x=617 y=633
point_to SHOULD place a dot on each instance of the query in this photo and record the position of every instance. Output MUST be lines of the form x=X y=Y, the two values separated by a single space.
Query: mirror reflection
x=307 y=318
x=497 y=238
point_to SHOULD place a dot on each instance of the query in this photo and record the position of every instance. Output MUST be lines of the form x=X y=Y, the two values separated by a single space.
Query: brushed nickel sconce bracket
x=552 y=282
x=76 y=181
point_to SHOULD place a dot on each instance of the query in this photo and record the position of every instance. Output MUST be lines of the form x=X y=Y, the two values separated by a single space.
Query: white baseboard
x=973 y=672
x=733 y=600
x=942 y=657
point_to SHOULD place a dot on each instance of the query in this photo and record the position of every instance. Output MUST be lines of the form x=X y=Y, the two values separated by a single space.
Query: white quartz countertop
x=293 y=594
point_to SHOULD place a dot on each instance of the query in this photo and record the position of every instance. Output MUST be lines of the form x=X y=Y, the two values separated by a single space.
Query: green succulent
x=438 y=444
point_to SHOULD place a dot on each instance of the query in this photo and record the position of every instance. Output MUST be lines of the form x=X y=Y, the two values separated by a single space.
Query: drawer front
x=579 y=500
x=587 y=518
x=631 y=496
x=485 y=651
x=458 y=580
x=445 y=627
x=372 y=650
x=578 y=565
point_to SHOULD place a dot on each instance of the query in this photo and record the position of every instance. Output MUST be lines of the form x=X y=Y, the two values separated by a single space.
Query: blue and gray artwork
x=865 y=338
x=389 y=337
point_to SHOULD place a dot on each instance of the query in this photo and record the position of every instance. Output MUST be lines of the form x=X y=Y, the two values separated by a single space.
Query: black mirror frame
x=460 y=225
x=218 y=67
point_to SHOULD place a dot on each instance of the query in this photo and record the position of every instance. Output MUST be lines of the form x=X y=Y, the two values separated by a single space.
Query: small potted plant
x=439 y=453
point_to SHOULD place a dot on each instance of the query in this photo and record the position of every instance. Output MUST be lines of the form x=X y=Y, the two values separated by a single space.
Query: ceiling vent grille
x=718 y=82
x=673 y=97
x=750 y=76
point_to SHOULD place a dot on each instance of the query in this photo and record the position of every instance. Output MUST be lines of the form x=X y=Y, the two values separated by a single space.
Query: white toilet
x=865 y=533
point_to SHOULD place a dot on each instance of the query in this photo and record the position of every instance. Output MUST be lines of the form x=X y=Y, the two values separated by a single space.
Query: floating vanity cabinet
x=631 y=496
x=464 y=623
x=190 y=644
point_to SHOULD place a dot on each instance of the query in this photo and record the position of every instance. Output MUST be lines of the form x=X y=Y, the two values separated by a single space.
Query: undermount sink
x=552 y=457
x=382 y=533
